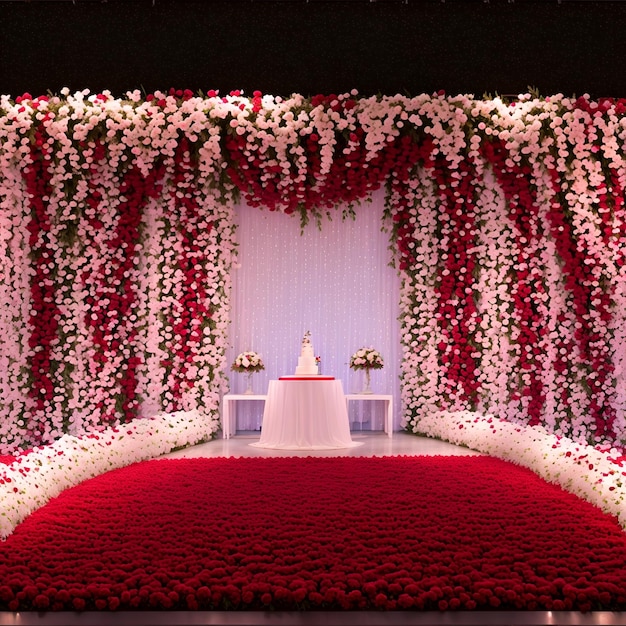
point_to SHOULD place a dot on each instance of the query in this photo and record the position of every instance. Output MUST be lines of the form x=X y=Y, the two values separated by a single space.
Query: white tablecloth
x=305 y=415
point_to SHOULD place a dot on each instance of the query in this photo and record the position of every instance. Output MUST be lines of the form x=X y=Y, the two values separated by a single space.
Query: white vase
x=367 y=388
x=249 y=391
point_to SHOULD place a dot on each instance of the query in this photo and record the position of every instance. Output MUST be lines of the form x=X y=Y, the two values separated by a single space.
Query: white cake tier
x=307 y=370
x=307 y=350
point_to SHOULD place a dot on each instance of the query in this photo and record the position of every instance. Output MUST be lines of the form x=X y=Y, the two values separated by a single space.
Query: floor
x=374 y=444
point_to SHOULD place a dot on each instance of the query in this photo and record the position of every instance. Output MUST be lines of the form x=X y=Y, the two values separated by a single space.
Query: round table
x=305 y=413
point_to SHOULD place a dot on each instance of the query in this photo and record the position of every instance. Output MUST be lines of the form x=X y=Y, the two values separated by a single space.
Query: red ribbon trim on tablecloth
x=307 y=378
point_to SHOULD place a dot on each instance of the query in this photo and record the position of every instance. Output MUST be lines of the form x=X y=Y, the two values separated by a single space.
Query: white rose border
x=37 y=476
x=597 y=475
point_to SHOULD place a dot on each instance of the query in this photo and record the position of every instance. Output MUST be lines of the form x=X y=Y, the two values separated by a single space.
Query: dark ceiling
x=282 y=47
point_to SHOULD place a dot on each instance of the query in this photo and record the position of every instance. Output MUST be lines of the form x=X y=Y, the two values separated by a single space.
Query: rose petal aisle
x=395 y=533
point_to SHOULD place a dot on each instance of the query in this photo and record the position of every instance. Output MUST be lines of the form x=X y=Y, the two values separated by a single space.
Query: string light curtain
x=335 y=281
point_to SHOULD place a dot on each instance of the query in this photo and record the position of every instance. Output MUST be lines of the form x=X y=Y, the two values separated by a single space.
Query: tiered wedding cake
x=306 y=361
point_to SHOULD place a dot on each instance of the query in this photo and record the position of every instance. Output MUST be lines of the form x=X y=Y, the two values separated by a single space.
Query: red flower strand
x=193 y=314
x=578 y=268
x=44 y=319
x=457 y=314
x=111 y=304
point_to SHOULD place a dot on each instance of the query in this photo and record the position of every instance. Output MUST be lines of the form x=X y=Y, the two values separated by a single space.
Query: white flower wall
x=116 y=236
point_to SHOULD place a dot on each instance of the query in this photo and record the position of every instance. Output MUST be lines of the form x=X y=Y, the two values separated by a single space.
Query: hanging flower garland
x=413 y=212
x=92 y=289
x=44 y=317
x=581 y=242
x=191 y=378
x=494 y=339
x=111 y=313
x=457 y=315
x=527 y=286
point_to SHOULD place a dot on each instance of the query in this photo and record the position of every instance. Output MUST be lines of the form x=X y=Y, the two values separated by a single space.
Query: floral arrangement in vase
x=366 y=359
x=248 y=363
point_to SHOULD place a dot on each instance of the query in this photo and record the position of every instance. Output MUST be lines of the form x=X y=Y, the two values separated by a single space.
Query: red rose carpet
x=399 y=533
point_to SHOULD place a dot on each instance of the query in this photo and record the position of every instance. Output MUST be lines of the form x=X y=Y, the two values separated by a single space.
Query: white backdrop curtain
x=335 y=282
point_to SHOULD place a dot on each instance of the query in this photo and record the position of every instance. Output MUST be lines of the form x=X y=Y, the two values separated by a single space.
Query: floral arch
x=117 y=240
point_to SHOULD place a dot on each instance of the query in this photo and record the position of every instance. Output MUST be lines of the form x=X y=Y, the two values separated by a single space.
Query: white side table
x=229 y=427
x=387 y=399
